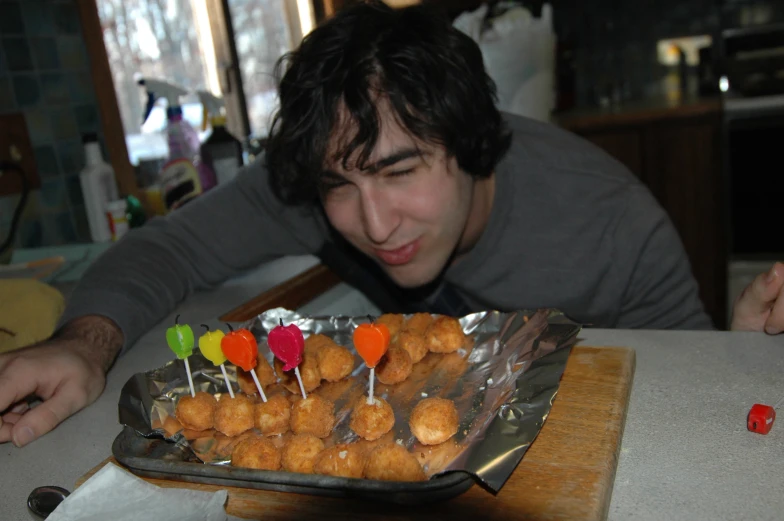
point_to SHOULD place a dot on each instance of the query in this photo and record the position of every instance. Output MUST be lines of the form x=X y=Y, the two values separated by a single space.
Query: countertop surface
x=686 y=453
x=637 y=112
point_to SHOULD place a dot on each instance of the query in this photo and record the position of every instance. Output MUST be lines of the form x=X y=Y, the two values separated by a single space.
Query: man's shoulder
x=544 y=149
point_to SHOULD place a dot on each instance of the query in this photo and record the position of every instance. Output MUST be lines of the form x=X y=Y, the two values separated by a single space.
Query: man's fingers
x=765 y=288
x=42 y=419
x=17 y=382
x=775 y=322
x=5 y=432
x=755 y=303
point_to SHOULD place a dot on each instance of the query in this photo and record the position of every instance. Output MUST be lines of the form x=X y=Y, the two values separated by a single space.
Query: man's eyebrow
x=329 y=175
x=391 y=159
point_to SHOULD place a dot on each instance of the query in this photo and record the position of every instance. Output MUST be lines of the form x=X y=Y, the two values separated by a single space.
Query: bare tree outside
x=262 y=35
x=160 y=39
x=151 y=38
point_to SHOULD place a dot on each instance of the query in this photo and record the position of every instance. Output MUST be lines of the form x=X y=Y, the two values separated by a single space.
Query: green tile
x=71 y=155
x=38 y=126
x=66 y=19
x=7 y=207
x=58 y=229
x=3 y=66
x=30 y=233
x=6 y=96
x=17 y=54
x=28 y=93
x=45 y=53
x=82 y=225
x=53 y=195
x=74 y=188
x=38 y=17
x=55 y=88
x=72 y=52
x=46 y=162
x=11 y=18
x=64 y=123
x=87 y=118
x=80 y=87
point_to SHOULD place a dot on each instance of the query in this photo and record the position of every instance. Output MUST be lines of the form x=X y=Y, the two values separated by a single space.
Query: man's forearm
x=97 y=337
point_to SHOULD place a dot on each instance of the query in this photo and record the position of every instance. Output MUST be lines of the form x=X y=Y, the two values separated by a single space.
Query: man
x=389 y=160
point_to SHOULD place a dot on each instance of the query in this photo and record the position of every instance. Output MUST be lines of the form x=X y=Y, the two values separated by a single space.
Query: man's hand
x=66 y=372
x=760 y=307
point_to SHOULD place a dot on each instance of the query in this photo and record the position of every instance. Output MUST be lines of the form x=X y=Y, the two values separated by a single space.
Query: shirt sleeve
x=661 y=293
x=226 y=231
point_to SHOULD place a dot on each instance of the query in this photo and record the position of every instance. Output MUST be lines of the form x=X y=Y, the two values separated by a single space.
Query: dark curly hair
x=431 y=73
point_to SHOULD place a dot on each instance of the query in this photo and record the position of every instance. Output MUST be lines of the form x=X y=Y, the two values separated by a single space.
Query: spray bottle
x=184 y=176
x=221 y=151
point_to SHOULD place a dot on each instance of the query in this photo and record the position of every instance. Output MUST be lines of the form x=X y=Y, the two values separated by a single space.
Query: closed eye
x=400 y=173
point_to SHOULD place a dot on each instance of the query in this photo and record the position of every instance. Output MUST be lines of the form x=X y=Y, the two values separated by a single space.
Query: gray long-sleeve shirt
x=570 y=228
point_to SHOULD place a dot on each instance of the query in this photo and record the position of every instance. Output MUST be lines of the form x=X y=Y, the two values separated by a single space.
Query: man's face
x=407 y=209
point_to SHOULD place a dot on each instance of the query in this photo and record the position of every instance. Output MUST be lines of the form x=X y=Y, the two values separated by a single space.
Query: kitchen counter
x=686 y=453
x=636 y=113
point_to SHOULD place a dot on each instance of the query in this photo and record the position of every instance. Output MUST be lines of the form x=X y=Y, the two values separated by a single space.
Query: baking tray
x=162 y=459
x=518 y=358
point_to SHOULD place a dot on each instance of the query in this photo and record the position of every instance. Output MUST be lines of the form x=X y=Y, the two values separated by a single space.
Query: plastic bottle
x=184 y=176
x=117 y=217
x=98 y=188
x=221 y=151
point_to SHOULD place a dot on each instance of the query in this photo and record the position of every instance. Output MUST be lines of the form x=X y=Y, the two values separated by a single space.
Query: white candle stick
x=372 y=379
x=226 y=378
x=190 y=378
x=301 y=387
x=258 y=385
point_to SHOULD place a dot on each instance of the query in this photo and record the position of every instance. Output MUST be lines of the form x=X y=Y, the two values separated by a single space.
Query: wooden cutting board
x=568 y=472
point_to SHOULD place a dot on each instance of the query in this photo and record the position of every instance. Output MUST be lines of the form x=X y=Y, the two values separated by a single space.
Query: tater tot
x=196 y=412
x=308 y=370
x=444 y=335
x=334 y=362
x=272 y=418
x=234 y=415
x=435 y=458
x=393 y=321
x=395 y=366
x=300 y=453
x=256 y=452
x=264 y=373
x=412 y=343
x=316 y=341
x=313 y=415
x=434 y=420
x=371 y=421
x=392 y=462
x=343 y=460
x=418 y=322
x=367 y=446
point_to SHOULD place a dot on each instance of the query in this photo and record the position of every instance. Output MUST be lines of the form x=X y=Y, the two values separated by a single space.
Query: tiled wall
x=45 y=74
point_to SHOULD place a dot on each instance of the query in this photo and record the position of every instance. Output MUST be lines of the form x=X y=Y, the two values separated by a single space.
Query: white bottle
x=98 y=188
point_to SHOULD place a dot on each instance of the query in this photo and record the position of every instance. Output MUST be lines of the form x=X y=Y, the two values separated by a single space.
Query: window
x=177 y=41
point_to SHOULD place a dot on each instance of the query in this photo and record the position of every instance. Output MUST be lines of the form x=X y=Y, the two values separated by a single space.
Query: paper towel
x=114 y=493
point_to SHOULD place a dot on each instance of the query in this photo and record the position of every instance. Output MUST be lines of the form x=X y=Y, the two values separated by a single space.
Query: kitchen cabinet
x=677 y=154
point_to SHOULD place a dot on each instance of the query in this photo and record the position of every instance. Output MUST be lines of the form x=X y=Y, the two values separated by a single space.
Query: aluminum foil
x=503 y=385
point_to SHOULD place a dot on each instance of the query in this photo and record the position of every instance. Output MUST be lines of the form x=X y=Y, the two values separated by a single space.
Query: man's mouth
x=398 y=256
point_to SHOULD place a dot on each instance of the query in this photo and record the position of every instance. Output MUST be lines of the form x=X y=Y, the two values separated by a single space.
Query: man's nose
x=379 y=216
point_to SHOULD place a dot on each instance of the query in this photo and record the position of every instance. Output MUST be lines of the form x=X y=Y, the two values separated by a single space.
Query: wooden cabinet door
x=682 y=165
x=624 y=144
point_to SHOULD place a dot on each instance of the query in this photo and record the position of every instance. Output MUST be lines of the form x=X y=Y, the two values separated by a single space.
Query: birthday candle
x=371 y=341
x=241 y=349
x=210 y=346
x=287 y=343
x=180 y=340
